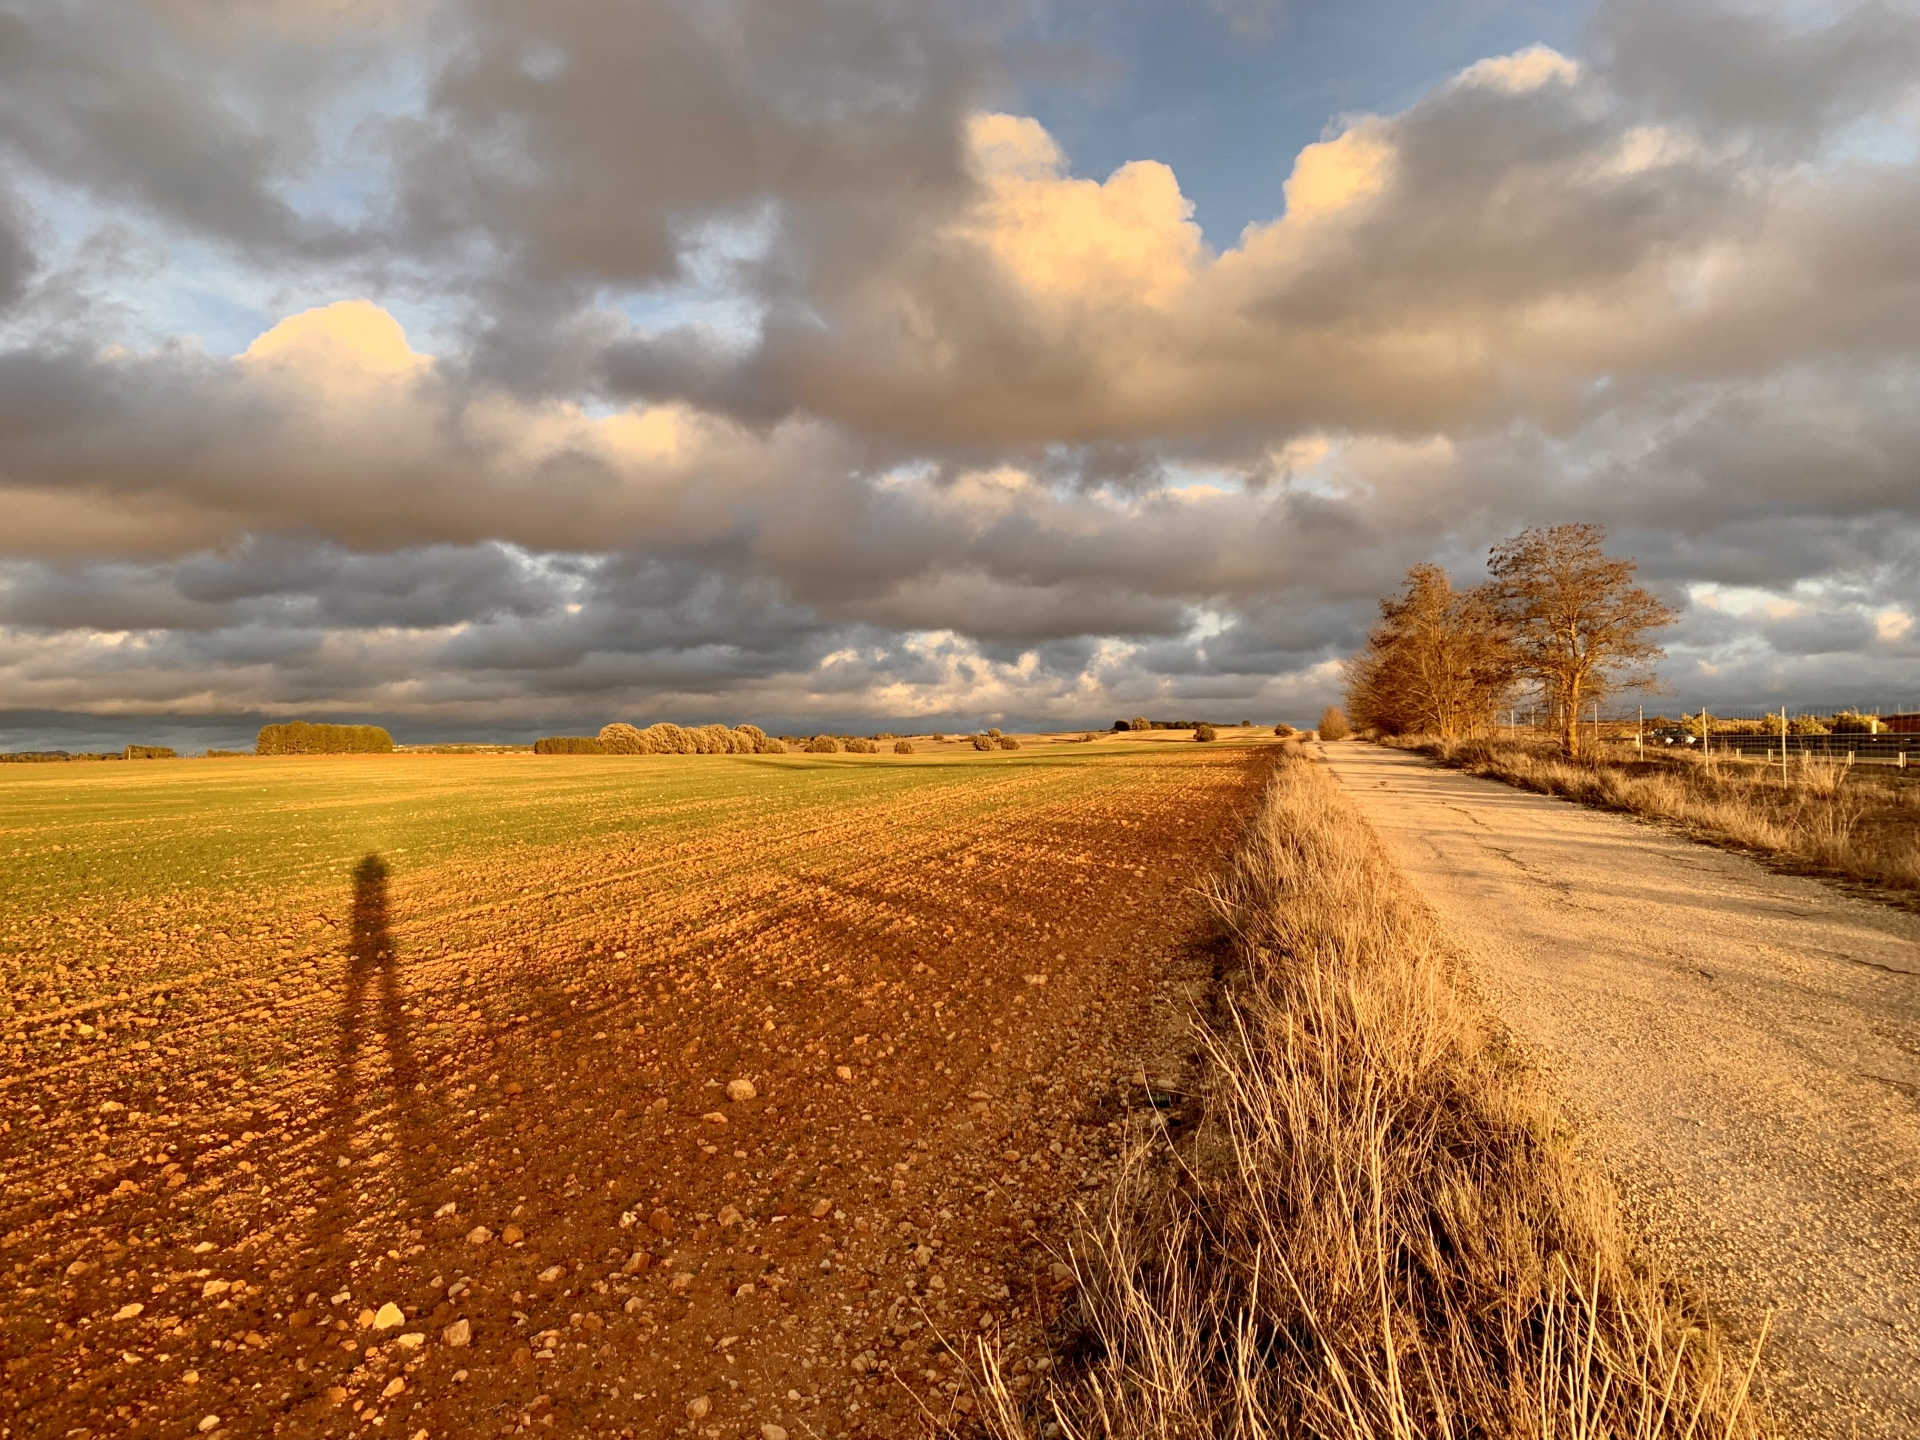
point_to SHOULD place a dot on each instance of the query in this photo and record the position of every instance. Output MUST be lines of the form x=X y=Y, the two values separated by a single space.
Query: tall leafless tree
x=1579 y=624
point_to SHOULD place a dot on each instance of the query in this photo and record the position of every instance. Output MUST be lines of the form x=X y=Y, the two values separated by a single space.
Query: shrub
x=857 y=746
x=981 y=742
x=886 y=735
x=226 y=754
x=620 y=738
x=937 y=738
x=993 y=734
x=1140 y=722
x=149 y=752
x=903 y=747
x=572 y=745
x=1283 y=730
x=666 y=738
x=297 y=737
x=1333 y=724
x=1006 y=742
x=717 y=740
x=1204 y=732
x=823 y=745
x=1119 y=725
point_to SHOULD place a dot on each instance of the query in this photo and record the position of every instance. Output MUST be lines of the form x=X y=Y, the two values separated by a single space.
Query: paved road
x=1742 y=1048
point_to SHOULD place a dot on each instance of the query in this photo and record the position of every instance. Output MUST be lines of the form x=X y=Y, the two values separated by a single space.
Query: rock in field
x=740 y=1090
x=459 y=1333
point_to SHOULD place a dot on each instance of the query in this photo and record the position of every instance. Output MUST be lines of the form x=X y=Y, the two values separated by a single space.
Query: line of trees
x=297 y=737
x=1557 y=614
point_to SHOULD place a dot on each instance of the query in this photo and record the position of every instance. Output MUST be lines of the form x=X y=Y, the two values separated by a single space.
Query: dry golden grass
x=1378 y=1227
x=1851 y=820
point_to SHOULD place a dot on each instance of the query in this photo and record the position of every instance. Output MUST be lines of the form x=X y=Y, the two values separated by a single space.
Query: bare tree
x=1440 y=662
x=1579 y=623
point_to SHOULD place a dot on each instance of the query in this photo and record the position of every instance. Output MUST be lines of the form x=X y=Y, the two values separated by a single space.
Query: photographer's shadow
x=373 y=1027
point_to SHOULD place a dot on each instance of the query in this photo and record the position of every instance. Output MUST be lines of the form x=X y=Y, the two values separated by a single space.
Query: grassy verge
x=1377 y=1227
x=1846 y=820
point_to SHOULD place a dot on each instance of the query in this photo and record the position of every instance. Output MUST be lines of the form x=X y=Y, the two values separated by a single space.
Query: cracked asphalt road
x=1740 y=1049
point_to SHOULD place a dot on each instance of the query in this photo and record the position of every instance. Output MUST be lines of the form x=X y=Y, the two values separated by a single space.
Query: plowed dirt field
x=392 y=1096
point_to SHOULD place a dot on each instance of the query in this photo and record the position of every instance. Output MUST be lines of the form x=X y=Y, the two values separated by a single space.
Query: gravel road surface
x=1740 y=1048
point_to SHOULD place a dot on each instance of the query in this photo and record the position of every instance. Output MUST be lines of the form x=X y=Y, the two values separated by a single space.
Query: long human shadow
x=373 y=1021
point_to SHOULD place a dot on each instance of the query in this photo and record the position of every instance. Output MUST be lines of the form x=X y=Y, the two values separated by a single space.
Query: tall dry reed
x=1378 y=1227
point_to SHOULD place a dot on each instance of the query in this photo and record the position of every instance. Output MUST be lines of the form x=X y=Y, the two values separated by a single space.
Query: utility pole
x=1640 y=733
x=1783 y=742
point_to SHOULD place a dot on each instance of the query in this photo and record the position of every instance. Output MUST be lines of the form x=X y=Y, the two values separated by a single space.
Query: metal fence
x=1899 y=750
x=1674 y=730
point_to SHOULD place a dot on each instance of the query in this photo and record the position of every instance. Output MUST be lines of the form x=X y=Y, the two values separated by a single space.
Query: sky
x=496 y=369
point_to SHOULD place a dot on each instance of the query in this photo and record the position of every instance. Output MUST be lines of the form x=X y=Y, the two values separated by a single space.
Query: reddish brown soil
x=939 y=1017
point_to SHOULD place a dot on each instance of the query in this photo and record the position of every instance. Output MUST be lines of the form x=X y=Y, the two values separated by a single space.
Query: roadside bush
x=857 y=746
x=1204 y=732
x=571 y=745
x=1006 y=742
x=297 y=737
x=1333 y=724
x=149 y=752
x=982 y=742
x=903 y=747
x=823 y=745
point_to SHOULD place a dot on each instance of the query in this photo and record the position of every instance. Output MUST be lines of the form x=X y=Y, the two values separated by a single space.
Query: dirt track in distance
x=497 y=1091
x=1740 y=1049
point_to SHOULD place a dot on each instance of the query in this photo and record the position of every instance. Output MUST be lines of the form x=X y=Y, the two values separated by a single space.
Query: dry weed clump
x=1822 y=813
x=1378 y=1227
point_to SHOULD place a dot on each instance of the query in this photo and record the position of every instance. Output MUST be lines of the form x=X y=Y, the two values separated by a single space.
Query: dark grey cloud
x=17 y=261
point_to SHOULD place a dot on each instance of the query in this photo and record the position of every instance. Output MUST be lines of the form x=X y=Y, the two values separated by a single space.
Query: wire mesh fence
x=1877 y=734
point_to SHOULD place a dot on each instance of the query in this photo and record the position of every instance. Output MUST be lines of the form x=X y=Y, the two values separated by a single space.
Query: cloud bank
x=758 y=362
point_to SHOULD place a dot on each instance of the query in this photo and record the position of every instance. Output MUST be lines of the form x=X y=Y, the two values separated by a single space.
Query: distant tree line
x=297 y=737
x=131 y=752
x=1140 y=722
x=1558 y=614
